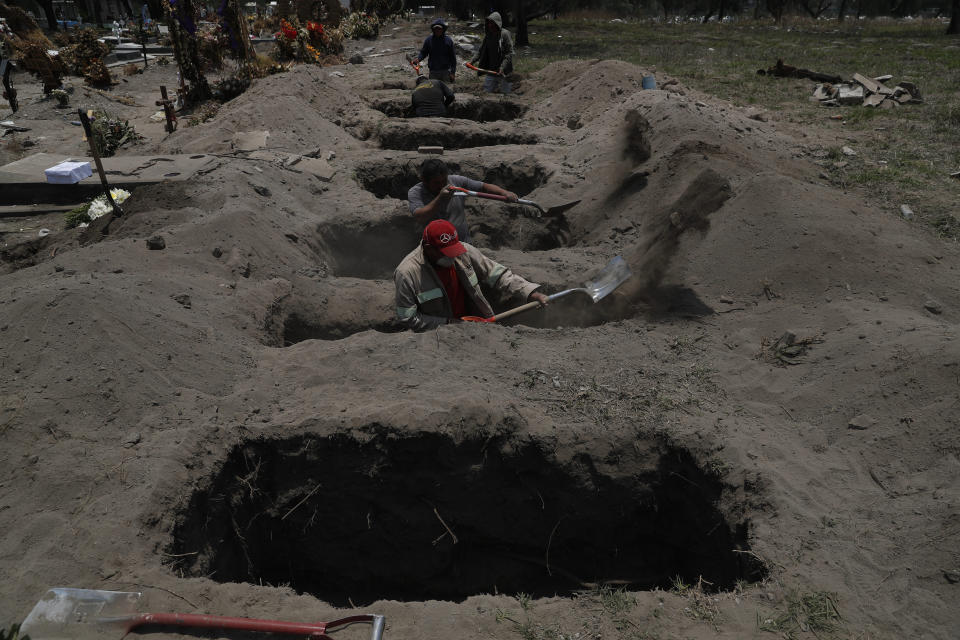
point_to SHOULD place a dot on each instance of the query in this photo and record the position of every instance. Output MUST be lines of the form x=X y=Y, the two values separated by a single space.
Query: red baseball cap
x=442 y=235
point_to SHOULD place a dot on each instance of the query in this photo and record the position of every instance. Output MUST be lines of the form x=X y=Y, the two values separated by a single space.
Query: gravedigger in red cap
x=441 y=281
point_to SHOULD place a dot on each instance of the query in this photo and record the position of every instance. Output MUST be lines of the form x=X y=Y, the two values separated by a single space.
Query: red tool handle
x=318 y=630
x=473 y=68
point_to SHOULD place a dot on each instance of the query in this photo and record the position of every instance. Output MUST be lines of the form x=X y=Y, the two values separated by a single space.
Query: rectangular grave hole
x=362 y=521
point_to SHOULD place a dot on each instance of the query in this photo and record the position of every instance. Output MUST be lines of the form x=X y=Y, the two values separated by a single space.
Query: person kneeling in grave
x=431 y=97
x=443 y=279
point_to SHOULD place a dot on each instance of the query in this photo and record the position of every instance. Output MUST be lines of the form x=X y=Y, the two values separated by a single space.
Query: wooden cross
x=168 y=110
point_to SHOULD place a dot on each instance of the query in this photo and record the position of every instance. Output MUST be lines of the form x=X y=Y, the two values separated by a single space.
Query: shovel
x=415 y=65
x=552 y=211
x=609 y=278
x=487 y=71
x=70 y=614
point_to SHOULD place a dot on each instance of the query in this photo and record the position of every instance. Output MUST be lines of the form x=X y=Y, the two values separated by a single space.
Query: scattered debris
x=263 y=191
x=781 y=70
x=131 y=439
x=906 y=212
x=155 y=243
x=250 y=140
x=847 y=151
x=786 y=349
x=952 y=576
x=861 y=422
x=868 y=92
x=356 y=59
x=8 y=125
x=955 y=175
x=321 y=169
x=183 y=299
x=849 y=94
x=933 y=307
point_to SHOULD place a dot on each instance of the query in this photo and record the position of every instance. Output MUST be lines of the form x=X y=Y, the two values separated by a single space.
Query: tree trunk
x=47 y=6
x=842 y=10
x=721 y=11
x=954 y=27
x=523 y=38
x=708 y=14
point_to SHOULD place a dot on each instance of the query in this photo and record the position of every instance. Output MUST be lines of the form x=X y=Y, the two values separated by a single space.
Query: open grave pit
x=425 y=516
x=366 y=248
x=449 y=133
x=330 y=309
x=397 y=104
x=393 y=177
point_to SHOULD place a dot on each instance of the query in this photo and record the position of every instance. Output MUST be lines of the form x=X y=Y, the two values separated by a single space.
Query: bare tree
x=51 y=15
x=526 y=10
x=815 y=10
x=841 y=12
x=776 y=8
x=954 y=27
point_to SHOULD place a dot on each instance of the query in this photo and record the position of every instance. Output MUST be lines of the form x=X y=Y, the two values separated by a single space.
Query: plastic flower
x=288 y=30
x=100 y=206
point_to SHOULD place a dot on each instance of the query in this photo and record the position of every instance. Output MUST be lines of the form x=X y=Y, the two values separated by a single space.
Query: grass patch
x=815 y=612
x=723 y=59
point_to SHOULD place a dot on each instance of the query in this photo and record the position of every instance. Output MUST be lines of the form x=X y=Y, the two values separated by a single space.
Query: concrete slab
x=318 y=167
x=250 y=140
x=23 y=181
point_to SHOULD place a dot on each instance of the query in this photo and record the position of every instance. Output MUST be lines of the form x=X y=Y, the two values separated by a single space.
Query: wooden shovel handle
x=516 y=310
x=487 y=71
x=245 y=624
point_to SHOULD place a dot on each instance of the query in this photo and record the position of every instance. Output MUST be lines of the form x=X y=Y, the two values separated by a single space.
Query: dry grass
x=813 y=612
x=905 y=155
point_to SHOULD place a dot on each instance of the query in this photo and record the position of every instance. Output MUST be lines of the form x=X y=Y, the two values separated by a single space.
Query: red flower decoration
x=315 y=27
x=288 y=30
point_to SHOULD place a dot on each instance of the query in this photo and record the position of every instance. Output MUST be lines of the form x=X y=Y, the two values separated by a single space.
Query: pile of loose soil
x=233 y=424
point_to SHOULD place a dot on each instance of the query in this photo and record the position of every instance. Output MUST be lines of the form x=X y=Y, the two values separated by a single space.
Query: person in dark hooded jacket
x=495 y=54
x=439 y=52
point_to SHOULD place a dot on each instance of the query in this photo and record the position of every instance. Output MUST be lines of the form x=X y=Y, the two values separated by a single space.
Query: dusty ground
x=272 y=447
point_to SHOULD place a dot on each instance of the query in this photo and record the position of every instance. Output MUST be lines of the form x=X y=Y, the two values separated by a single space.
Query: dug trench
x=425 y=516
x=449 y=133
x=396 y=104
x=392 y=177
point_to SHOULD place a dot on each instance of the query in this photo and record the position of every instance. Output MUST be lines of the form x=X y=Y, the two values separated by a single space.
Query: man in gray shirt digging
x=432 y=198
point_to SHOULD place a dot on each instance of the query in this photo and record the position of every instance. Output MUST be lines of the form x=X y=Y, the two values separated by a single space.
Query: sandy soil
x=233 y=425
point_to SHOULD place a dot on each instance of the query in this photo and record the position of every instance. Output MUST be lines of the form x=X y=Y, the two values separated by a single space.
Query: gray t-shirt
x=419 y=196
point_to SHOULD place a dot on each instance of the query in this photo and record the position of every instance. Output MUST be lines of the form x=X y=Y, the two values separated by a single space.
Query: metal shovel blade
x=64 y=614
x=560 y=208
x=608 y=279
x=69 y=614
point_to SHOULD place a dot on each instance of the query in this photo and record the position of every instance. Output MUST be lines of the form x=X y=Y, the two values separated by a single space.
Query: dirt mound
x=300 y=109
x=584 y=89
x=234 y=421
